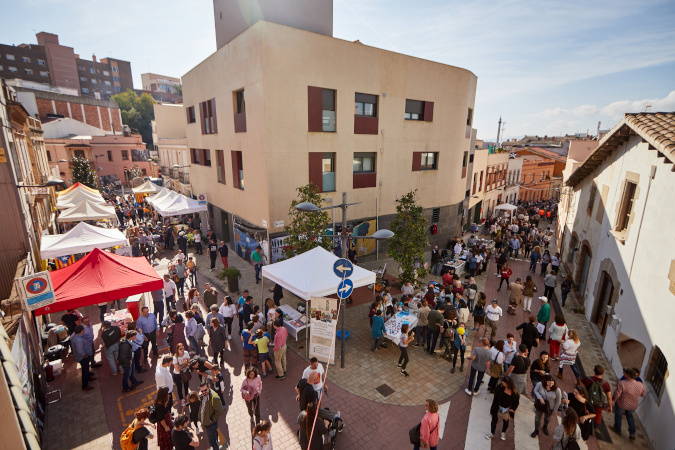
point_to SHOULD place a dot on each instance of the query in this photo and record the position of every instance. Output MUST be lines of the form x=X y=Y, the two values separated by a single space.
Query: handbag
x=415 y=433
x=185 y=376
x=495 y=369
x=543 y=407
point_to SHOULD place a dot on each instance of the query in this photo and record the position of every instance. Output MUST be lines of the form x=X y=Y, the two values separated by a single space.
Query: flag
x=64 y=261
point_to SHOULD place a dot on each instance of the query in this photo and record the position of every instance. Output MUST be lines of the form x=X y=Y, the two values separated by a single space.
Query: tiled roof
x=658 y=129
x=542 y=152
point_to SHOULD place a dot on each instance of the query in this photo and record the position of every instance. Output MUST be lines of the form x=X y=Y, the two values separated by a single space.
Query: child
x=262 y=438
x=262 y=342
x=218 y=383
x=406 y=338
x=194 y=404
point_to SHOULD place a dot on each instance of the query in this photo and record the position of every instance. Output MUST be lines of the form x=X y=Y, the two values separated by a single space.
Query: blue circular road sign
x=345 y=288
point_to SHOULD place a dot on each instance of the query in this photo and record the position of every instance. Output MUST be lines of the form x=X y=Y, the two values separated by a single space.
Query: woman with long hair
x=181 y=359
x=557 y=332
x=529 y=288
x=406 y=338
x=251 y=388
x=578 y=401
x=178 y=335
x=218 y=340
x=535 y=256
x=567 y=431
x=568 y=357
x=165 y=424
x=229 y=310
x=545 y=261
x=307 y=423
x=262 y=437
x=429 y=426
x=479 y=312
x=496 y=364
x=504 y=405
x=547 y=398
x=541 y=367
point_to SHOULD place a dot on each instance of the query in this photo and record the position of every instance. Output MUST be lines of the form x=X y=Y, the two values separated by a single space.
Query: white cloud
x=585 y=110
x=617 y=109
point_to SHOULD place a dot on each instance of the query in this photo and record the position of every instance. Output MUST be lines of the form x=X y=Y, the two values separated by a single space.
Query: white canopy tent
x=177 y=204
x=506 y=207
x=311 y=274
x=83 y=238
x=147 y=188
x=77 y=196
x=163 y=194
x=87 y=210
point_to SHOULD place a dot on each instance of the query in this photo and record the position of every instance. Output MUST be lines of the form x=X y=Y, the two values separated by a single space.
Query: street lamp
x=51 y=183
x=379 y=235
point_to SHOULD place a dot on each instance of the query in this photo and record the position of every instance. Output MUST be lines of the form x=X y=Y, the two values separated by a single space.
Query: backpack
x=597 y=395
x=127 y=438
x=447 y=332
x=153 y=415
x=572 y=444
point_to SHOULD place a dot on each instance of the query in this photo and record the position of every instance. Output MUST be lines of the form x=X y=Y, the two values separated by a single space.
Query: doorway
x=582 y=274
x=224 y=227
x=604 y=305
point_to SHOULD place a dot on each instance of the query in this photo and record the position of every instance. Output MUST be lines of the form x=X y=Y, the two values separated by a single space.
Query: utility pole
x=499 y=129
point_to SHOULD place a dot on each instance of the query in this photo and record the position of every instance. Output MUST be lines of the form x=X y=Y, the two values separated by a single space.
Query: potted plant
x=232 y=274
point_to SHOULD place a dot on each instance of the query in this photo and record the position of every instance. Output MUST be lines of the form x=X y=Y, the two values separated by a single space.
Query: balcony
x=184 y=177
x=165 y=171
x=174 y=173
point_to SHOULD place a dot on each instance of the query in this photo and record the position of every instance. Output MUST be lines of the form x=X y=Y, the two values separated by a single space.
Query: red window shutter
x=314 y=108
x=428 y=111
x=315 y=170
x=213 y=114
x=202 y=116
x=202 y=160
x=235 y=169
x=187 y=113
x=193 y=160
x=221 y=164
x=417 y=161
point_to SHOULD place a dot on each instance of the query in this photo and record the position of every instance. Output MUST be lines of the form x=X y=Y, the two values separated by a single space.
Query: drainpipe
x=637 y=240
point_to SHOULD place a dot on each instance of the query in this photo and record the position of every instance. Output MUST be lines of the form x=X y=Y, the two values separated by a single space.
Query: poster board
x=323 y=315
x=35 y=291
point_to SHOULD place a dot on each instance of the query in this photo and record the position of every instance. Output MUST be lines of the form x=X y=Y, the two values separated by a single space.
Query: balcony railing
x=184 y=177
x=165 y=171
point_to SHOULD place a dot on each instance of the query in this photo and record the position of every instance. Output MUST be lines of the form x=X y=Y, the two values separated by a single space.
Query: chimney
x=93 y=58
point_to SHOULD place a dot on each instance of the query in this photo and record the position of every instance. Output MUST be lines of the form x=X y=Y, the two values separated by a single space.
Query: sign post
x=35 y=291
x=343 y=269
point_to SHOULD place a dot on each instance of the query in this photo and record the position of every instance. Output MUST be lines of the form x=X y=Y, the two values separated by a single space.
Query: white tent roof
x=311 y=274
x=175 y=204
x=83 y=238
x=86 y=210
x=164 y=193
x=77 y=196
x=147 y=188
x=506 y=206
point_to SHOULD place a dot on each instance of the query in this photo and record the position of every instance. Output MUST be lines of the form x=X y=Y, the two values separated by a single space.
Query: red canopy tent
x=100 y=277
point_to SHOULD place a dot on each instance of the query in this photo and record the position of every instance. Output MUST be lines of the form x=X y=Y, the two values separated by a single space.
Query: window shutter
x=220 y=154
x=193 y=159
x=213 y=114
x=417 y=161
x=314 y=109
x=187 y=114
x=315 y=169
x=202 y=160
x=235 y=170
x=428 y=111
x=202 y=116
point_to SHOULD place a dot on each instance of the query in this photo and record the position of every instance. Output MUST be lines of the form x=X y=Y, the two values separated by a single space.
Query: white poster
x=323 y=315
x=36 y=290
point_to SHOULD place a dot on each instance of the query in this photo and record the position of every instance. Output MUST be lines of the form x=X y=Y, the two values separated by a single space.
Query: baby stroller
x=335 y=426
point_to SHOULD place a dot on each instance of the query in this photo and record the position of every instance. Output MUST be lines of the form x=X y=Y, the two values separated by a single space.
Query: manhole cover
x=385 y=390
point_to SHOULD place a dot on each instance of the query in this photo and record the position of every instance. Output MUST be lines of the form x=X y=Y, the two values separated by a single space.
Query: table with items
x=120 y=318
x=393 y=325
x=294 y=321
x=456 y=264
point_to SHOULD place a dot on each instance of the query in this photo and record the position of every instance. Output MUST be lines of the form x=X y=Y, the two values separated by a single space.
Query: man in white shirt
x=169 y=292
x=163 y=376
x=492 y=315
x=315 y=366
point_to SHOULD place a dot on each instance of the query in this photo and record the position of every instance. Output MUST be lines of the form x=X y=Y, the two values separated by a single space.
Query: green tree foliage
x=137 y=112
x=410 y=237
x=83 y=172
x=305 y=228
x=178 y=89
x=135 y=172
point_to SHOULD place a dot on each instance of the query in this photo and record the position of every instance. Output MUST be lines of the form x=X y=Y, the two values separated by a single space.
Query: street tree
x=304 y=228
x=410 y=237
x=83 y=172
x=137 y=112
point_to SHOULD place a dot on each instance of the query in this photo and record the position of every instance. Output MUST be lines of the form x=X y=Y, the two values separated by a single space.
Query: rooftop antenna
x=499 y=130
x=647 y=107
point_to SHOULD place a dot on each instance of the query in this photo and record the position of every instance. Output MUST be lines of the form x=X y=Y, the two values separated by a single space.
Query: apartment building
x=495 y=182
x=169 y=136
x=618 y=248
x=48 y=62
x=260 y=125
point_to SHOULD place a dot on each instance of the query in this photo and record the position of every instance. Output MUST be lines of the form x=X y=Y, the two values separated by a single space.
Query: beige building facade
x=278 y=107
x=169 y=136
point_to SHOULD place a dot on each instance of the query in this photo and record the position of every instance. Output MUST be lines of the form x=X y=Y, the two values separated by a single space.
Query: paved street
x=370 y=417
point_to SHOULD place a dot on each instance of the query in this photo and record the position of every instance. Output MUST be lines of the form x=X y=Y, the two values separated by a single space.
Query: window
x=328 y=172
x=144 y=172
x=328 y=110
x=195 y=153
x=207 y=157
x=208 y=116
x=464 y=160
x=429 y=161
x=480 y=183
x=25 y=59
x=49 y=156
x=237 y=170
x=115 y=69
x=116 y=79
x=28 y=71
x=93 y=81
x=190 y=111
x=657 y=372
x=365 y=105
x=475 y=179
x=626 y=206
x=591 y=199
x=240 y=102
x=1 y=68
x=106 y=73
x=471 y=158
x=81 y=68
x=125 y=155
x=414 y=110
x=118 y=89
x=364 y=162
x=107 y=83
x=469 y=117
x=85 y=90
x=92 y=70
x=44 y=74
x=83 y=79
x=220 y=162
x=79 y=153
x=435 y=215
x=10 y=57
x=41 y=62
x=110 y=156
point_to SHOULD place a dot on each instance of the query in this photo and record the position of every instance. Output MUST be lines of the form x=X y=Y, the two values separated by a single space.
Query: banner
x=364 y=246
x=323 y=314
x=64 y=261
x=36 y=291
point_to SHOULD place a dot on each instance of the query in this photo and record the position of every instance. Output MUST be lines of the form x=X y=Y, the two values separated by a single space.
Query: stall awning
x=76 y=186
x=72 y=198
x=176 y=204
x=100 y=277
x=87 y=210
x=311 y=274
x=83 y=238
x=147 y=188
x=505 y=206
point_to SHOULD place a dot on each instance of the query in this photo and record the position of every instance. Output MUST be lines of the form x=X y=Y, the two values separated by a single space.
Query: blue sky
x=545 y=67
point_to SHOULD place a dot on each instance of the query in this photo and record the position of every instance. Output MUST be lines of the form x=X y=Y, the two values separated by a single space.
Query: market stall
x=505 y=210
x=77 y=196
x=177 y=205
x=294 y=321
x=77 y=186
x=393 y=325
x=161 y=195
x=87 y=210
x=83 y=238
x=147 y=188
x=100 y=277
